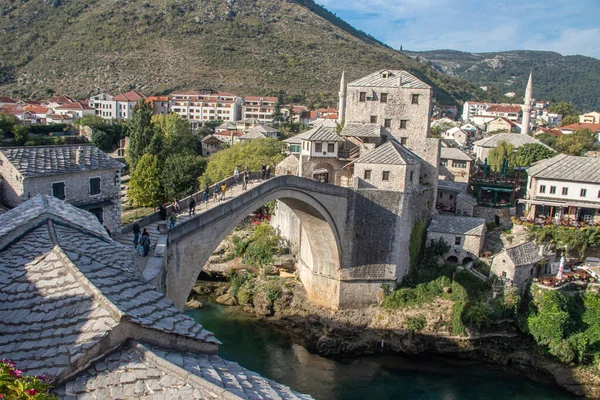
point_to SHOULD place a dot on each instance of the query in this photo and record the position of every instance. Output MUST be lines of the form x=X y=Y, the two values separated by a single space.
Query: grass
x=131 y=215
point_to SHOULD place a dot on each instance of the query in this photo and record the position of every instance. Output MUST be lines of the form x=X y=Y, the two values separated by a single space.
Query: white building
x=200 y=107
x=472 y=108
x=590 y=118
x=75 y=110
x=261 y=108
x=115 y=107
x=564 y=187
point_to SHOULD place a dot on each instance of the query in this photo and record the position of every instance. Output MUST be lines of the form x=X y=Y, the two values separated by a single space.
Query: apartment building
x=115 y=107
x=201 y=106
x=261 y=108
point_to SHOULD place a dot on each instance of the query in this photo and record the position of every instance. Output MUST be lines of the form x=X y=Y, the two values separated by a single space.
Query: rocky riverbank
x=282 y=302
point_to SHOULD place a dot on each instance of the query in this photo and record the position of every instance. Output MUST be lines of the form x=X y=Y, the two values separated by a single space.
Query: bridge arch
x=320 y=208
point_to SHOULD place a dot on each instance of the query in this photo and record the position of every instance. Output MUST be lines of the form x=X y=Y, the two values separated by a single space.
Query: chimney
x=399 y=81
x=79 y=156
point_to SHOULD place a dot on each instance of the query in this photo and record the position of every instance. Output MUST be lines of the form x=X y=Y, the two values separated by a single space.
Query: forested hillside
x=556 y=77
x=262 y=47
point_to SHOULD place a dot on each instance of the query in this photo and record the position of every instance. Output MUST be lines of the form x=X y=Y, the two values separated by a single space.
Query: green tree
x=277 y=114
x=7 y=123
x=569 y=119
x=531 y=153
x=180 y=175
x=144 y=185
x=563 y=108
x=577 y=143
x=141 y=132
x=211 y=125
x=21 y=134
x=177 y=136
x=438 y=129
x=252 y=154
x=496 y=157
x=93 y=121
x=550 y=322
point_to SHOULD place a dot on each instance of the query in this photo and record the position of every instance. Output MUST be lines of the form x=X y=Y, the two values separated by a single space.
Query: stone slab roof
x=567 y=168
x=391 y=152
x=68 y=292
x=516 y=139
x=458 y=225
x=317 y=134
x=377 y=79
x=258 y=132
x=357 y=129
x=138 y=370
x=452 y=153
x=454 y=186
x=524 y=254
x=55 y=160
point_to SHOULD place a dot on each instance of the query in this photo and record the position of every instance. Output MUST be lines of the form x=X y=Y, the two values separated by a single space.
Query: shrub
x=272 y=291
x=476 y=314
x=562 y=350
x=236 y=280
x=15 y=385
x=416 y=324
x=458 y=327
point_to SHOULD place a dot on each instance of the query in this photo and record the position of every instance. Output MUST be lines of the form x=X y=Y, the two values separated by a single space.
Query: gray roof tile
x=524 y=254
x=390 y=152
x=55 y=160
x=451 y=153
x=567 y=168
x=456 y=224
x=357 y=129
x=376 y=79
x=516 y=139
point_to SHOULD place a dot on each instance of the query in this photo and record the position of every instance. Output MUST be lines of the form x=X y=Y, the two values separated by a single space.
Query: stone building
x=76 y=308
x=518 y=265
x=455 y=165
x=464 y=235
x=259 y=132
x=83 y=176
x=483 y=147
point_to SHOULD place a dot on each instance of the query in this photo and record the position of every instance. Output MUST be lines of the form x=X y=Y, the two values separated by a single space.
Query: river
x=282 y=357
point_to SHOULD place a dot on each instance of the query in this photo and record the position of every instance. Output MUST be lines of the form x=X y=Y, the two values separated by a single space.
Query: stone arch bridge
x=349 y=243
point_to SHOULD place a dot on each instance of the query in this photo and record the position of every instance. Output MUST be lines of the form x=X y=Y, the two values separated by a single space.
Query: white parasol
x=561 y=267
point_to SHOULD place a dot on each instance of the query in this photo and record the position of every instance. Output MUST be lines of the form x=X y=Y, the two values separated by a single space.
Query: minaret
x=342 y=103
x=527 y=105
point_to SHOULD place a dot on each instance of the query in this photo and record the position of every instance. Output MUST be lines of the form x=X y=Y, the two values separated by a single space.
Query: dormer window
x=386 y=74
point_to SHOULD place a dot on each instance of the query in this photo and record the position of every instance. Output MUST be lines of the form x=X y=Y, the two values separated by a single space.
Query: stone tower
x=527 y=105
x=342 y=103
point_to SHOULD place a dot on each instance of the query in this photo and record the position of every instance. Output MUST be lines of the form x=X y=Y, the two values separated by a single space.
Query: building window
x=403 y=141
x=443 y=162
x=362 y=96
x=553 y=190
x=542 y=188
x=412 y=174
x=383 y=98
x=599 y=194
x=565 y=191
x=583 y=193
x=459 y=164
x=373 y=119
x=95 y=186
x=58 y=190
x=294 y=148
x=367 y=174
x=385 y=176
x=403 y=123
x=387 y=123
x=415 y=99
x=318 y=147
x=330 y=147
x=441 y=195
x=457 y=240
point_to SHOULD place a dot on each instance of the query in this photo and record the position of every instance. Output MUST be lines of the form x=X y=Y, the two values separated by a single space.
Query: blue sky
x=564 y=26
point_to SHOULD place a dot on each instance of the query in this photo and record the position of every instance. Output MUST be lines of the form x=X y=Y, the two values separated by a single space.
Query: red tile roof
x=36 y=109
x=8 y=100
x=504 y=108
x=228 y=133
x=131 y=96
x=257 y=98
x=329 y=110
x=74 y=106
x=550 y=131
x=60 y=99
x=578 y=126
x=157 y=98
x=226 y=94
x=58 y=116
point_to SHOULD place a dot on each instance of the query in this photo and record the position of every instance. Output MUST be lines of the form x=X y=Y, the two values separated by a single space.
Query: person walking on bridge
x=176 y=208
x=205 y=193
x=268 y=176
x=244 y=181
x=264 y=171
x=223 y=191
x=236 y=174
x=145 y=242
x=136 y=234
x=216 y=192
x=192 y=210
x=172 y=220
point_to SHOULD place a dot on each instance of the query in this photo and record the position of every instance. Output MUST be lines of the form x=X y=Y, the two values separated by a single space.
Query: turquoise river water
x=282 y=357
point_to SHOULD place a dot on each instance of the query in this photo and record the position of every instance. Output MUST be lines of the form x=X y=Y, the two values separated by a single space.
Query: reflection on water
x=280 y=357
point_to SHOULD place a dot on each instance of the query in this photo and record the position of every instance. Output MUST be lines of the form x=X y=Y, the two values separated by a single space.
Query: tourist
x=136 y=234
x=162 y=211
x=192 y=210
x=145 y=242
x=244 y=181
x=176 y=208
x=247 y=171
x=236 y=174
x=216 y=192
x=268 y=172
x=223 y=190
x=172 y=220
x=264 y=172
x=205 y=193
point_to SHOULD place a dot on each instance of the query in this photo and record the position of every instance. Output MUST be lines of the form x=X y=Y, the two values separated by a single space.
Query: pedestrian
x=162 y=211
x=236 y=174
x=192 y=210
x=172 y=220
x=205 y=193
x=145 y=242
x=136 y=234
x=216 y=192
x=244 y=181
x=247 y=171
x=264 y=172
x=176 y=208
x=223 y=190
x=268 y=171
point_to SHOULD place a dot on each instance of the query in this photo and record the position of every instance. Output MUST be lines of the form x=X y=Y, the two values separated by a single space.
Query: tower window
x=383 y=98
x=367 y=174
x=373 y=119
x=415 y=99
x=385 y=176
x=362 y=96
x=387 y=123
x=403 y=123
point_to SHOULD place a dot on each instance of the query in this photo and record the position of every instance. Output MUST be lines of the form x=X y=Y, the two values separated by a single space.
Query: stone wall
x=12 y=187
x=288 y=166
x=489 y=214
x=520 y=277
x=399 y=176
x=470 y=246
x=309 y=164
